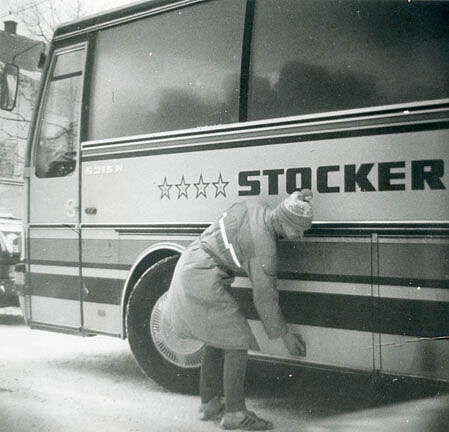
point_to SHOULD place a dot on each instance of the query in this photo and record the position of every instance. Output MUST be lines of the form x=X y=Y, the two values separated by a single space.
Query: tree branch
x=21 y=118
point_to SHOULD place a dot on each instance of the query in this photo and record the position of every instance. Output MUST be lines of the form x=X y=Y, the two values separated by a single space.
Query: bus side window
x=56 y=150
x=170 y=71
x=334 y=56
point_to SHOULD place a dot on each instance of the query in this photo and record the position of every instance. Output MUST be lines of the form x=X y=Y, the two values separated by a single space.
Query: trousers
x=223 y=371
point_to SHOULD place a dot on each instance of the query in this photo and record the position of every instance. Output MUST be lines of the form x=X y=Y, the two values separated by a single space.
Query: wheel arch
x=145 y=260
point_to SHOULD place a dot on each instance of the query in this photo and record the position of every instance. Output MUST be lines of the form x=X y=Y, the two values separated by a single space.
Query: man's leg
x=235 y=362
x=211 y=377
x=236 y=415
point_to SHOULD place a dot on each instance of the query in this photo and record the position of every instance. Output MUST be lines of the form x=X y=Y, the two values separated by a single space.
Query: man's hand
x=295 y=344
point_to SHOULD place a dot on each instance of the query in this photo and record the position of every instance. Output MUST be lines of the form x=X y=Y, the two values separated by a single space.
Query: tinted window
x=175 y=70
x=57 y=145
x=324 y=55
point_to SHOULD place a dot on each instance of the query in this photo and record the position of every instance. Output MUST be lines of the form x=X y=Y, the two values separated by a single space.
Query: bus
x=153 y=118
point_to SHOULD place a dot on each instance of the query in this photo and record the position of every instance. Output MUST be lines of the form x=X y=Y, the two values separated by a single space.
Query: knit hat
x=296 y=210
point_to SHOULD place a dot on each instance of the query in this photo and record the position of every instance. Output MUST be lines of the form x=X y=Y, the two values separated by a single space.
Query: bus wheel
x=172 y=362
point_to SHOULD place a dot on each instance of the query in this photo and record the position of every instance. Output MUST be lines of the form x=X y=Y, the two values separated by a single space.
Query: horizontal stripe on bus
x=53 y=232
x=378 y=315
x=320 y=231
x=429 y=266
x=325 y=287
x=272 y=129
x=63 y=269
x=396 y=281
x=319 y=228
x=346 y=258
x=339 y=260
x=416 y=293
x=419 y=261
x=63 y=249
x=361 y=313
x=76 y=264
x=55 y=286
x=56 y=249
x=325 y=135
x=108 y=271
x=295 y=283
x=98 y=290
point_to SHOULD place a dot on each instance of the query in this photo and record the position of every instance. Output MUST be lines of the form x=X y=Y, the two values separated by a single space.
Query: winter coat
x=200 y=304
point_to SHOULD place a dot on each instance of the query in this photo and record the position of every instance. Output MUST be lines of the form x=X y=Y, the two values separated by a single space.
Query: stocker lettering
x=391 y=176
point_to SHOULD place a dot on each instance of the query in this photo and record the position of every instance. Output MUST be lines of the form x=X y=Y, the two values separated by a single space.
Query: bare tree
x=39 y=19
x=14 y=127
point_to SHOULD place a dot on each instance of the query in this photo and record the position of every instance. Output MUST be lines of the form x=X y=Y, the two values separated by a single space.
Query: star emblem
x=182 y=188
x=201 y=187
x=220 y=186
x=165 y=189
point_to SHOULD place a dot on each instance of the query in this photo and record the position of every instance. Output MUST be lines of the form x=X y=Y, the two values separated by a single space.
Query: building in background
x=11 y=197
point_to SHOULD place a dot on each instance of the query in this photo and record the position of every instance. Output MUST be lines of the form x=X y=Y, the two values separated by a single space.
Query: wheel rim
x=184 y=353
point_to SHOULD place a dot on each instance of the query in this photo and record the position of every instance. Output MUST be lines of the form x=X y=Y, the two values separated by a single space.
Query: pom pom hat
x=298 y=203
x=295 y=211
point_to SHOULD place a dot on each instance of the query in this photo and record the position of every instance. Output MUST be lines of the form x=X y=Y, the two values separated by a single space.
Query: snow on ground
x=51 y=382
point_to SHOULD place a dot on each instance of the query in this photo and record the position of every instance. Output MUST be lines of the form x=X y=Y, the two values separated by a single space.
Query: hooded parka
x=200 y=305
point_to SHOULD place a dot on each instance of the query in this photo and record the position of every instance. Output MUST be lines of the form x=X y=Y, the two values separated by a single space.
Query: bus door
x=54 y=219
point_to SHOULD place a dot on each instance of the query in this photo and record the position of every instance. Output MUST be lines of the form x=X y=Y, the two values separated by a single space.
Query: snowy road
x=57 y=383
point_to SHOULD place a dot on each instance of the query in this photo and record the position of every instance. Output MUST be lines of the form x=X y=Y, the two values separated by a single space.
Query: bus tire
x=153 y=357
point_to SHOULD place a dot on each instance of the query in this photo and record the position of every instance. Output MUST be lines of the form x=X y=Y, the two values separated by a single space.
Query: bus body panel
x=368 y=285
x=407 y=187
x=357 y=179
x=414 y=297
x=54 y=276
x=102 y=281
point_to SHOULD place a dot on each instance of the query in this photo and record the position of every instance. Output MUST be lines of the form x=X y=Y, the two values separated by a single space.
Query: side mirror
x=42 y=60
x=9 y=86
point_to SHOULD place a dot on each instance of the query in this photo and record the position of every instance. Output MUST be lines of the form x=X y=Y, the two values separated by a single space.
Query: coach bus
x=153 y=118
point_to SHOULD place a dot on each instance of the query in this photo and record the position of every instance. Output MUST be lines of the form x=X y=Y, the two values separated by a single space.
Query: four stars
x=200 y=186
